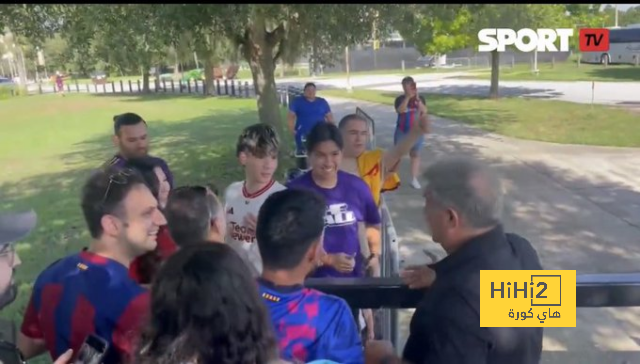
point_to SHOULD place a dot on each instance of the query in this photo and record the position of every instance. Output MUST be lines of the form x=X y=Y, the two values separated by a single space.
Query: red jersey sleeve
x=30 y=323
x=127 y=330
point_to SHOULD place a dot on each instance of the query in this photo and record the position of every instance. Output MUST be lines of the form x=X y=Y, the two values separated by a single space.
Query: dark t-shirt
x=408 y=118
x=445 y=327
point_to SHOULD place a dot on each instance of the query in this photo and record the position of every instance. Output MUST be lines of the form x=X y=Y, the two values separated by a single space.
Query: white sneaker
x=415 y=184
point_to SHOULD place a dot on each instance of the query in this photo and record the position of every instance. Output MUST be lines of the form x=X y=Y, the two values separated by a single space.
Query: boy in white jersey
x=257 y=150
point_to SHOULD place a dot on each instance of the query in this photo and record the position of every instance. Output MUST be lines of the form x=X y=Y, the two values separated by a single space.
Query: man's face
x=138 y=228
x=310 y=92
x=260 y=170
x=9 y=260
x=442 y=222
x=325 y=159
x=355 y=135
x=132 y=140
x=219 y=222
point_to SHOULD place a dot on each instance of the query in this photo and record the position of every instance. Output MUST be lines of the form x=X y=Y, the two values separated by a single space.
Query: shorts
x=398 y=135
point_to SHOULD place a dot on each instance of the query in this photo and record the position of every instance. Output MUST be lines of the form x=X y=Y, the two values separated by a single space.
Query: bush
x=6 y=92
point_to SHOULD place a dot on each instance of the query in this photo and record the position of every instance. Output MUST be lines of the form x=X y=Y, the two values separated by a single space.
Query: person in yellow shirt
x=376 y=167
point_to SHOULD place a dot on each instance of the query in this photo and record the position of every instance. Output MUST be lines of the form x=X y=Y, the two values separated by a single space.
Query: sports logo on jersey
x=338 y=214
x=270 y=297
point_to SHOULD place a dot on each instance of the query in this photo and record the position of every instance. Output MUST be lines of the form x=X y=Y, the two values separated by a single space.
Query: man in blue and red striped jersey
x=131 y=138
x=411 y=109
x=90 y=292
x=310 y=325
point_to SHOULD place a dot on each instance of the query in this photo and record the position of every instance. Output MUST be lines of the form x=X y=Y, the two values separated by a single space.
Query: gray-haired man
x=463 y=204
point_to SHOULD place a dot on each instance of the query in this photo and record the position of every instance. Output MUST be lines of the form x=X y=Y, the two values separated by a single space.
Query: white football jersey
x=238 y=204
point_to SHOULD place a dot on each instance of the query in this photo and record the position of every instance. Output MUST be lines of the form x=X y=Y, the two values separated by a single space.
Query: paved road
x=579 y=206
x=611 y=93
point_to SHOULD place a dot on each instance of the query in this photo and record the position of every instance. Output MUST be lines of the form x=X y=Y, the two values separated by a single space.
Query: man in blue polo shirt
x=90 y=292
x=131 y=138
x=305 y=112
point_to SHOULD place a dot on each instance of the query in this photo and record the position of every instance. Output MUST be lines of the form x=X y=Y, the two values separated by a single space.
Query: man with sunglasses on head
x=194 y=214
x=90 y=292
x=131 y=138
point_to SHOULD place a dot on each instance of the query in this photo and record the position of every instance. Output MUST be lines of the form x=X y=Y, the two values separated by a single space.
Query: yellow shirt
x=370 y=168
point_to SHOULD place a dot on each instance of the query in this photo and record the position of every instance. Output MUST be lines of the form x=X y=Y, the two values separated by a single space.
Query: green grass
x=543 y=120
x=48 y=145
x=565 y=71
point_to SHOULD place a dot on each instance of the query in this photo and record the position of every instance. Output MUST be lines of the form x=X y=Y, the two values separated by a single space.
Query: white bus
x=624 y=47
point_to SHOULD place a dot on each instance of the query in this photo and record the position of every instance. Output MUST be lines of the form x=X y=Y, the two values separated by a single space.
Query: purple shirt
x=348 y=203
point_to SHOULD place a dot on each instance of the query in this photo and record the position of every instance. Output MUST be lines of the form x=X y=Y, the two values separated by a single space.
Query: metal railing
x=592 y=290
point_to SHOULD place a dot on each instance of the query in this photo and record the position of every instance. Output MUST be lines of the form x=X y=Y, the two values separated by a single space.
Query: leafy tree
x=265 y=33
x=436 y=29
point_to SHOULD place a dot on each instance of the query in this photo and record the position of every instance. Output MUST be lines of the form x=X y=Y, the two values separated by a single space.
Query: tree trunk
x=259 y=53
x=495 y=75
x=262 y=70
x=208 y=74
x=145 y=79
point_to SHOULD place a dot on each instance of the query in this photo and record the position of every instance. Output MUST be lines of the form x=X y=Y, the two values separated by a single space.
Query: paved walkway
x=625 y=94
x=579 y=206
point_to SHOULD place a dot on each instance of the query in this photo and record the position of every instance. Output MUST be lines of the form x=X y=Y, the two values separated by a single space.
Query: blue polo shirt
x=308 y=114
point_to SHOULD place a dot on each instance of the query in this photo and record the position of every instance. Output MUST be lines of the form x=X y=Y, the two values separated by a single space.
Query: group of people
x=181 y=275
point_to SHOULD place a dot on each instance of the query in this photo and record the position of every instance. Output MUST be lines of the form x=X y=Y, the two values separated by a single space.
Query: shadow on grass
x=617 y=72
x=198 y=151
x=579 y=207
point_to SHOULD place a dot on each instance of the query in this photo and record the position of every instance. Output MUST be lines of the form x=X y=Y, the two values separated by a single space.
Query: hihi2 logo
x=594 y=40
x=527 y=298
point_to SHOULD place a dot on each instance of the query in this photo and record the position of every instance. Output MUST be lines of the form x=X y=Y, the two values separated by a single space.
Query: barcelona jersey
x=407 y=119
x=311 y=325
x=86 y=294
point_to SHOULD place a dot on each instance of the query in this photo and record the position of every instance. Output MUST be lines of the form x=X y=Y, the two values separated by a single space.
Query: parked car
x=98 y=77
x=6 y=82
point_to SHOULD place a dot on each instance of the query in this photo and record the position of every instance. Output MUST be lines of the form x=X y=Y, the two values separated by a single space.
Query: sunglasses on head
x=120 y=178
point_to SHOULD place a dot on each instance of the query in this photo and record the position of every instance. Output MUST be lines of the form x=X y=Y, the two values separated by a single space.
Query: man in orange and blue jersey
x=411 y=109
x=309 y=324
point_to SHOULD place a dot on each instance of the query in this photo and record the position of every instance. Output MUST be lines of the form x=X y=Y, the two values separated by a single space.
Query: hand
x=250 y=221
x=418 y=277
x=373 y=266
x=64 y=358
x=343 y=263
x=377 y=350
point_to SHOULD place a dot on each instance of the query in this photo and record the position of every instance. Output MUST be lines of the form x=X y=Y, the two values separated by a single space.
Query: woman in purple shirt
x=349 y=203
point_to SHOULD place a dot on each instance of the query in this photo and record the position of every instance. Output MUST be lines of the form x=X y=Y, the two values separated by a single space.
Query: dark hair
x=289 y=222
x=408 y=80
x=189 y=212
x=347 y=118
x=103 y=194
x=258 y=139
x=205 y=308
x=145 y=166
x=323 y=132
x=127 y=118
x=309 y=84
